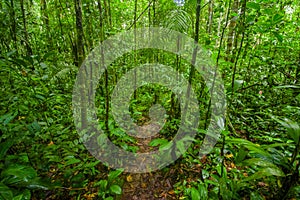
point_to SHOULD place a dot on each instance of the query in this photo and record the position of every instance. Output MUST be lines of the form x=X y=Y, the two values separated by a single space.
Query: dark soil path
x=149 y=186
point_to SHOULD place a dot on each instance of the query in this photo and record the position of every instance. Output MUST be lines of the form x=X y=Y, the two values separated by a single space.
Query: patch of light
x=289 y=10
x=179 y=2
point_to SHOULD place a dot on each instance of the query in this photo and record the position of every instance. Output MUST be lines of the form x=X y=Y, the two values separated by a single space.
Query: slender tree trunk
x=134 y=54
x=241 y=29
x=13 y=24
x=44 y=13
x=194 y=57
x=154 y=13
x=102 y=37
x=45 y=17
x=232 y=32
x=100 y=20
x=80 y=34
x=89 y=31
x=109 y=14
x=149 y=14
x=219 y=30
x=210 y=16
x=107 y=11
x=26 y=37
x=242 y=25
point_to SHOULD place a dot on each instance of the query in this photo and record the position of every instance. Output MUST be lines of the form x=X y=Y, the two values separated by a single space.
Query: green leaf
x=102 y=185
x=293 y=129
x=250 y=146
x=157 y=142
x=26 y=195
x=4 y=147
x=242 y=153
x=115 y=189
x=18 y=175
x=180 y=145
x=264 y=172
x=288 y=86
x=195 y=195
x=5 y=119
x=5 y=192
x=203 y=191
x=71 y=160
x=258 y=162
x=39 y=183
x=253 y=5
x=278 y=36
x=277 y=18
x=43 y=65
x=114 y=174
x=166 y=146
x=10 y=53
x=255 y=196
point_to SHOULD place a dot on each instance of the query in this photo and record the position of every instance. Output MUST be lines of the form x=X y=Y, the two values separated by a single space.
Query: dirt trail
x=149 y=186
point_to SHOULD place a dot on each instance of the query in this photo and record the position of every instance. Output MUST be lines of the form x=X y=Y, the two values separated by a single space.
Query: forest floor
x=148 y=186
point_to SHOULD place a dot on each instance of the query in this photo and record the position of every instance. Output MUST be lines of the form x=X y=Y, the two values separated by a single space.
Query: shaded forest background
x=255 y=45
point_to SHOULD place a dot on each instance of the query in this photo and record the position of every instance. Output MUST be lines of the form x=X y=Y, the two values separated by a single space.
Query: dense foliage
x=255 y=45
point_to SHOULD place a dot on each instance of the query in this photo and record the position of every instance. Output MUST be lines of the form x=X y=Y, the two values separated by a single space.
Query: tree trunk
x=45 y=18
x=80 y=34
x=102 y=37
x=26 y=37
x=13 y=24
x=232 y=32
x=210 y=16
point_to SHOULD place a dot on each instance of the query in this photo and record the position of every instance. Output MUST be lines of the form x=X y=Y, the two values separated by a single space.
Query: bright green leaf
x=195 y=195
x=115 y=189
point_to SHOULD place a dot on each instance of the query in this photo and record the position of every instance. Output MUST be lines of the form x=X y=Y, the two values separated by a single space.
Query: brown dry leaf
x=171 y=192
x=144 y=185
x=232 y=165
x=90 y=196
x=262 y=184
x=203 y=159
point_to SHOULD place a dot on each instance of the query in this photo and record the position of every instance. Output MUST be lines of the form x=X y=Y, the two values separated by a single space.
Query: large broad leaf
x=293 y=129
x=241 y=155
x=18 y=175
x=202 y=188
x=178 y=20
x=5 y=192
x=195 y=195
x=288 y=86
x=250 y=146
x=39 y=183
x=258 y=162
x=264 y=172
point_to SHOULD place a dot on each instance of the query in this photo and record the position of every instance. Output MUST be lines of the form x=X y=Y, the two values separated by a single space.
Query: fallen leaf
x=129 y=178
